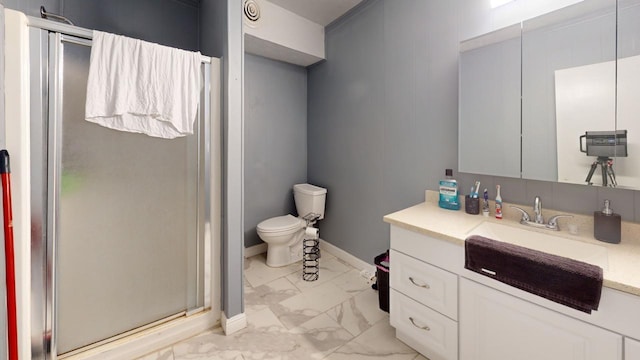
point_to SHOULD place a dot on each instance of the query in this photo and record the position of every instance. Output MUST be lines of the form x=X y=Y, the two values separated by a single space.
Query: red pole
x=12 y=320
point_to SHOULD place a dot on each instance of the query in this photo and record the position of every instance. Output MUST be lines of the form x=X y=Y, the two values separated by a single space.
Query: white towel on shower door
x=141 y=87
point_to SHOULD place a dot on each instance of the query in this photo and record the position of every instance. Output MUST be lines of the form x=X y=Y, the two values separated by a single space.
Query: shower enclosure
x=118 y=219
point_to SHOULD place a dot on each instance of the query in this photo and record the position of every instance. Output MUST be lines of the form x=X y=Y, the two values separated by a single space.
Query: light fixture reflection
x=496 y=3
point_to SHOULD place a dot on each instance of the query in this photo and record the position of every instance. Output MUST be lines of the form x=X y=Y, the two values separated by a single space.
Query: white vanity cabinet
x=448 y=313
x=495 y=325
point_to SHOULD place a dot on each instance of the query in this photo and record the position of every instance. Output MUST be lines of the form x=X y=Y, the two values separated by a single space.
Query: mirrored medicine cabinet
x=555 y=97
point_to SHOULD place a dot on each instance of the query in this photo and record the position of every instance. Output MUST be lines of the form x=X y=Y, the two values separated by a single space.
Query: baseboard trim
x=234 y=324
x=344 y=256
x=324 y=246
x=255 y=250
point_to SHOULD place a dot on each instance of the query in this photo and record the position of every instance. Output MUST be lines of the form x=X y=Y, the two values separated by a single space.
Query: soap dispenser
x=607 y=224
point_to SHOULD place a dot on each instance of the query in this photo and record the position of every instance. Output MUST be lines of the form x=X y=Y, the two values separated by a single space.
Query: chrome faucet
x=537 y=210
x=538 y=219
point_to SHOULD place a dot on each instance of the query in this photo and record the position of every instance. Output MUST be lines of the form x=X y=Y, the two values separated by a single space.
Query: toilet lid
x=279 y=223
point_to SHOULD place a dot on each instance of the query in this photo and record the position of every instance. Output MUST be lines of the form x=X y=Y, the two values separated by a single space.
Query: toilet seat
x=280 y=224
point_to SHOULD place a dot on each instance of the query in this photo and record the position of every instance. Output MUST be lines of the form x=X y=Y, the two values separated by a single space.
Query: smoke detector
x=251 y=10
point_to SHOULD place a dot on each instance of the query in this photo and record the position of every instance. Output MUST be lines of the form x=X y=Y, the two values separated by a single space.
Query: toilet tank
x=309 y=199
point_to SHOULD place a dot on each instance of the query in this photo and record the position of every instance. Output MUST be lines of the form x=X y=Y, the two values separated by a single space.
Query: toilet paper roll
x=311 y=233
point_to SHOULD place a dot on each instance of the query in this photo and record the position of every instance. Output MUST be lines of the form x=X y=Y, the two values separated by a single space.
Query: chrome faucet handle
x=553 y=221
x=525 y=216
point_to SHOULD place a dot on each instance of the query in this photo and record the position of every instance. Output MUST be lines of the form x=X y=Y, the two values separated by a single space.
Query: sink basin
x=549 y=243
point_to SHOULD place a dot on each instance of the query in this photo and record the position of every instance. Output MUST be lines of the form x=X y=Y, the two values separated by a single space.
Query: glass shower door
x=126 y=221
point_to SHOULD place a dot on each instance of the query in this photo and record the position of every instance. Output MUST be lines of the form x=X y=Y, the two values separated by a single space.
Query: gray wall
x=167 y=22
x=382 y=120
x=275 y=133
x=32 y=7
x=213 y=27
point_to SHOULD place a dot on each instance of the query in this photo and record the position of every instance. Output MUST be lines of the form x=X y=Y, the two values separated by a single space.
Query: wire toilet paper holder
x=311 y=249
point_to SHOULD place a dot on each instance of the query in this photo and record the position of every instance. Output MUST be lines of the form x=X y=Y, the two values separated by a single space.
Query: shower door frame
x=46 y=124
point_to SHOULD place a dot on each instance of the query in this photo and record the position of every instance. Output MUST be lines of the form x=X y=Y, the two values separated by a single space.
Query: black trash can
x=382 y=282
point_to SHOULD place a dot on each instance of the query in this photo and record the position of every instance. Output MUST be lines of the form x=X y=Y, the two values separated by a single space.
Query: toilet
x=284 y=234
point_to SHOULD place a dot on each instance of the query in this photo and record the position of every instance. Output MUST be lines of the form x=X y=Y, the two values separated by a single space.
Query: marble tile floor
x=334 y=318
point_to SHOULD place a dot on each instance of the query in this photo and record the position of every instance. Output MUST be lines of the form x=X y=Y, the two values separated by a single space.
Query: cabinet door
x=498 y=326
x=631 y=349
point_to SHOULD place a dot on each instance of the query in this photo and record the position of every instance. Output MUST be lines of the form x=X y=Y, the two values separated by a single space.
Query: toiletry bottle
x=485 y=203
x=607 y=224
x=449 y=192
x=498 y=203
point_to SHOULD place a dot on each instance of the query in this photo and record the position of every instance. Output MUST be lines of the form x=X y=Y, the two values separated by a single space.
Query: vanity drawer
x=441 y=253
x=427 y=331
x=427 y=284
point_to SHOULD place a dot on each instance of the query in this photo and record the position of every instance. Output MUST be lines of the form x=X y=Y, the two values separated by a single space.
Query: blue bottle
x=449 y=192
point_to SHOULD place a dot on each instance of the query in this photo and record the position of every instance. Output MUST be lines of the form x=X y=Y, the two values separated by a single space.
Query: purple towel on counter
x=566 y=281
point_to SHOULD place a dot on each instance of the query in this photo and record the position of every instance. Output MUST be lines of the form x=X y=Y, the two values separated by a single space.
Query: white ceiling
x=321 y=12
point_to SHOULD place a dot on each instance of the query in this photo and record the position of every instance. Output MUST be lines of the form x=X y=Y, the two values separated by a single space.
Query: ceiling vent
x=251 y=10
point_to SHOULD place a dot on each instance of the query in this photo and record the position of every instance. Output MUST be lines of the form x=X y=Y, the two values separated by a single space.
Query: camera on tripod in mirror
x=605 y=145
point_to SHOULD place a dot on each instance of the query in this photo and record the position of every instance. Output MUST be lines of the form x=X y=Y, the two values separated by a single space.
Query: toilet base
x=283 y=255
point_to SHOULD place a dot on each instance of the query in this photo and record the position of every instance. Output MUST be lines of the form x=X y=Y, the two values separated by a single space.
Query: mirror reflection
x=574 y=84
x=568 y=88
x=489 y=138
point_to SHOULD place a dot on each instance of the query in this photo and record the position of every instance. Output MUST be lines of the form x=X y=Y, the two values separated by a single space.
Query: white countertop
x=428 y=218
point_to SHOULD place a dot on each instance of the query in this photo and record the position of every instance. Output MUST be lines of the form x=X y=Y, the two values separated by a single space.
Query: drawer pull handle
x=426 y=286
x=425 y=328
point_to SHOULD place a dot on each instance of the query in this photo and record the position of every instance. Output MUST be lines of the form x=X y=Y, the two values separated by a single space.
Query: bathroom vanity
x=447 y=312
